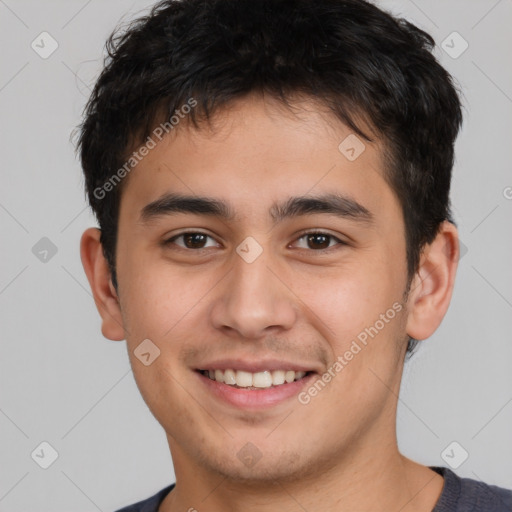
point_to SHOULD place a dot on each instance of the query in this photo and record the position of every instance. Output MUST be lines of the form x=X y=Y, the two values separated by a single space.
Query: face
x=305 y=269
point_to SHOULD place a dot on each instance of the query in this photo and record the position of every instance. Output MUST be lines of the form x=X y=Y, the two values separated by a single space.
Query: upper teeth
x=263 y=379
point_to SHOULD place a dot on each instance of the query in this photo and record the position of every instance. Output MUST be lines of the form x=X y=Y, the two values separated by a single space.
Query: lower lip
x=255 y=398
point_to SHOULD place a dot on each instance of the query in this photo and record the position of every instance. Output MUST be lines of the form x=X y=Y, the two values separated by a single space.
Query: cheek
x=163 y=305
x=342 y=302
x=362 y=321
x=157 y=296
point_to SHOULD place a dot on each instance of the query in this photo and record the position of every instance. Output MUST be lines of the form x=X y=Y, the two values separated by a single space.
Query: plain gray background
x=62 y=383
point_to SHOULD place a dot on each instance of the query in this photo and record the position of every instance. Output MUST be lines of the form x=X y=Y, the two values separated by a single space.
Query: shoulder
x=150 y=504
x=468 y=495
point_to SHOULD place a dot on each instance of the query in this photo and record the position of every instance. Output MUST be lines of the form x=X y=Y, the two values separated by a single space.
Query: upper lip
x=256 y=366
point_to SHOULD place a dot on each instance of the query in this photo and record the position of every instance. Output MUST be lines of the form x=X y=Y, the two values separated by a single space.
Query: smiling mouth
x=254 y=381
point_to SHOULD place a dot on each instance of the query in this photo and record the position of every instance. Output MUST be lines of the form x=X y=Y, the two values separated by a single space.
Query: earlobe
x=98 y=274
x=432 y=286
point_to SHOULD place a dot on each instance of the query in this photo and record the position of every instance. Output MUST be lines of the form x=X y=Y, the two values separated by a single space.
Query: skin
x=295 y=301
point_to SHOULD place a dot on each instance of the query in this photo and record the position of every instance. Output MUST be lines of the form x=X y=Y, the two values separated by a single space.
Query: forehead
x=256 y=150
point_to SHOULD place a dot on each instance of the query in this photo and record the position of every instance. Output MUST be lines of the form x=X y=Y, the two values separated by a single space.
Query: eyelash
x=302 y=235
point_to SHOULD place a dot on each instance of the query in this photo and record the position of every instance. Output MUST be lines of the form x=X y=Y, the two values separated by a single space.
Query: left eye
x=318 y=241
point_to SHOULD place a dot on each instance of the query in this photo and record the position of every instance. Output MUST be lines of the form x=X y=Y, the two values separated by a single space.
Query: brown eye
x=318 y=241
x=194 y=240
x=191 y=240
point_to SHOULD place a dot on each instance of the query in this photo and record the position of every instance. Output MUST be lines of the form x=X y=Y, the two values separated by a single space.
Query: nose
x=253 y=301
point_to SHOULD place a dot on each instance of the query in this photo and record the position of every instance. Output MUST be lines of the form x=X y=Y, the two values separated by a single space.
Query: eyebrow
x=336 y=204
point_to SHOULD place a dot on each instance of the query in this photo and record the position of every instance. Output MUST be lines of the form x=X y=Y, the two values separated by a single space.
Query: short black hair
x=374 y=71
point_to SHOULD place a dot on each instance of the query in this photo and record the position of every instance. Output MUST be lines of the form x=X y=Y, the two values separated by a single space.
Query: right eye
x=190 y=240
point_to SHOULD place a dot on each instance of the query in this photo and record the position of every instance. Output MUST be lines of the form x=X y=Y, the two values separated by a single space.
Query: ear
x=98 y=274
x=432 y=286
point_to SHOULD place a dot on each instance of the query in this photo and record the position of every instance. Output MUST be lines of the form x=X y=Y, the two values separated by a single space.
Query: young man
x=271 y=181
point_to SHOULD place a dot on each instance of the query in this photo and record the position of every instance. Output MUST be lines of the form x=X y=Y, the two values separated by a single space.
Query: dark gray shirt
x=458 y=495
